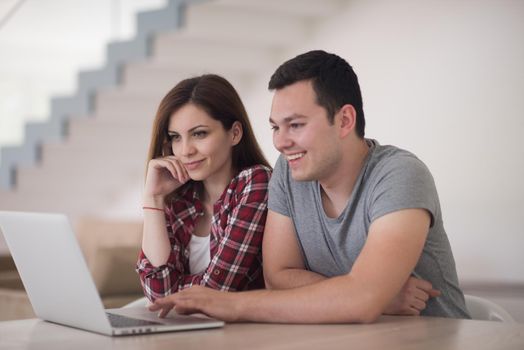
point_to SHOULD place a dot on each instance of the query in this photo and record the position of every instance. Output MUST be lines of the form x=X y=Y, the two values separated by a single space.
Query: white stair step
x=302 y=8
x=107 y=156
x=60 y=202
x=126 y=104
x=76 y=181
x=274 y=23
x=132 y=133
x=93 y=130
x=160 y=77
x=79 y=167
x=142 y=76
x=103 y=146
x=206 y=54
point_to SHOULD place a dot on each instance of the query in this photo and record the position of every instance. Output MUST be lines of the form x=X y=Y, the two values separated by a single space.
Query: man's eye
x=295 y=125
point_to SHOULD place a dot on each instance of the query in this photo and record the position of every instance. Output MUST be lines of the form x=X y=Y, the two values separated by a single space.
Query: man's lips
x=295 y=156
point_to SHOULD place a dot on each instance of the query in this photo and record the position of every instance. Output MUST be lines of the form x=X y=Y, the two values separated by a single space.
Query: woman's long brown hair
x=219 y=99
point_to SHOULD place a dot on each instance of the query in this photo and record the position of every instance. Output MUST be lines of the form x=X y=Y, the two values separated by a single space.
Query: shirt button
x=216 y=272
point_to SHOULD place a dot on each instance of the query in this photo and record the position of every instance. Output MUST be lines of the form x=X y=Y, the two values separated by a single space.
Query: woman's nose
x=183 y=148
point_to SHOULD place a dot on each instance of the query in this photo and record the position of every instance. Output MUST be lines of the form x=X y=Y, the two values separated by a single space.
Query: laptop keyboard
x=119 y=321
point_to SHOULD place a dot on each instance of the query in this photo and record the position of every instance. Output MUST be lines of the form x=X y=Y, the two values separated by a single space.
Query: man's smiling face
x=303 y=134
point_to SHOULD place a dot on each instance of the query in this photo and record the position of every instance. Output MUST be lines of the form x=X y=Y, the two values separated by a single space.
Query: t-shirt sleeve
x=403 y=183
x=278 y=201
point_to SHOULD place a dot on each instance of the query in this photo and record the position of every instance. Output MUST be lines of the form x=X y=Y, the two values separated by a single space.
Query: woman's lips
x=193 y=165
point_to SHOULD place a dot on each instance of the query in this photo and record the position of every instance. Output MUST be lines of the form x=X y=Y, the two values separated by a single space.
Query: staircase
x=89 y=159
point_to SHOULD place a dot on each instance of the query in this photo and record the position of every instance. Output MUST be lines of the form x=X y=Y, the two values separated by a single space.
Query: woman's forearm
x=155 y=241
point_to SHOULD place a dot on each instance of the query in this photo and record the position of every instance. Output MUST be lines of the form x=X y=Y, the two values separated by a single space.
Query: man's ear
x=347 y=116
x=236 y=133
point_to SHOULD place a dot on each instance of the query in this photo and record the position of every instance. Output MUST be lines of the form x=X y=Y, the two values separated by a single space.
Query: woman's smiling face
x=201 y=143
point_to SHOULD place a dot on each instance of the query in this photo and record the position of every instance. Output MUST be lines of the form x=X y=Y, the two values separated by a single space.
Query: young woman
x=205 y=193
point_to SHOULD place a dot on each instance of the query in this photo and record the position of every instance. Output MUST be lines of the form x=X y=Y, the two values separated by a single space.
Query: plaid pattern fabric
x=235 y=241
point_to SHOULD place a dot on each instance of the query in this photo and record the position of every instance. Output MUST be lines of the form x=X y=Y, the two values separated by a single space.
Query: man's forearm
x=334 y=300
x=292 y=278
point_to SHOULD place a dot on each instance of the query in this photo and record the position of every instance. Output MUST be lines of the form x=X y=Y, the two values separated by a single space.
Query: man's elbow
x=276 y=279
x=367 y=312
x=269 y=280
x=268 y=284
x=357 y=315
x=367 y=317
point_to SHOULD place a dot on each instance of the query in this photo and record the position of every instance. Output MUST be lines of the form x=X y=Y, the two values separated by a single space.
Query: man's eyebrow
x=190 y=130
x=289 y=119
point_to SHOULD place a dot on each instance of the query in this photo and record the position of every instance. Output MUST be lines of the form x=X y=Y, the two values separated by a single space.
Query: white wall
x=445 y=79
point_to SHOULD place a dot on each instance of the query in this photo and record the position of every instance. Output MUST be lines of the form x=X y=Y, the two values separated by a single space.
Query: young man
x=349 y=220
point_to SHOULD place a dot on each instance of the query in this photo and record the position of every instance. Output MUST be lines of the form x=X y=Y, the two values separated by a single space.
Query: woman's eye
x=173 y=137
x=274 y=127
x=200 y=134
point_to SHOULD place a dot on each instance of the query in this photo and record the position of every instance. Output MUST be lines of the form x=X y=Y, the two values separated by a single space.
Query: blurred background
x=80 y=82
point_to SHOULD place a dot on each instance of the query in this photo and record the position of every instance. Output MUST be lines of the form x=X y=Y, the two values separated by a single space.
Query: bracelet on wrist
x=153 y=208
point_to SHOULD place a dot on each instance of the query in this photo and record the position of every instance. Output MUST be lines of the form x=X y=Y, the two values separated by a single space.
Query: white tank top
x=199 y=254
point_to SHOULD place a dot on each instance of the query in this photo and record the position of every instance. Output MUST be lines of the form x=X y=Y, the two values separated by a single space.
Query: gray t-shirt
x=390 y=180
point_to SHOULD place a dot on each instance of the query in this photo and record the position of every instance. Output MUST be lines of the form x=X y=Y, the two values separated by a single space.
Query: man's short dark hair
x=334 y=81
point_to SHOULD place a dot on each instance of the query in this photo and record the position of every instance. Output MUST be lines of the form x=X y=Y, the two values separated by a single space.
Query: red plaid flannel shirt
x=235 y=241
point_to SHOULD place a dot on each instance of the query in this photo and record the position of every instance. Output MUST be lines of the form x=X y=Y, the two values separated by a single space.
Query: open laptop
x=59 y=284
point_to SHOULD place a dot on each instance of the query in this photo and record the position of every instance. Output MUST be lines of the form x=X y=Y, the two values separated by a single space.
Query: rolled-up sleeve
x=160 y=281
x=236 y=259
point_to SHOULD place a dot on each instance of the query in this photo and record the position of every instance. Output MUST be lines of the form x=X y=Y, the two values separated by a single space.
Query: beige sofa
x=111 y=250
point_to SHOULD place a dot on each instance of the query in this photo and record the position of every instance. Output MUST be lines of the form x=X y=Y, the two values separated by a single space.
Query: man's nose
x=281 y=140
